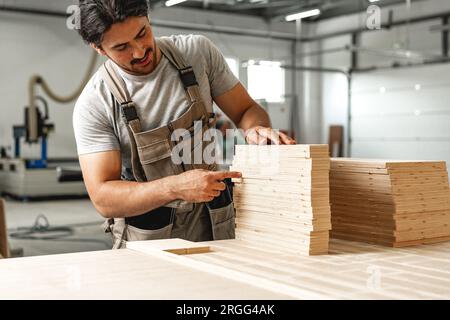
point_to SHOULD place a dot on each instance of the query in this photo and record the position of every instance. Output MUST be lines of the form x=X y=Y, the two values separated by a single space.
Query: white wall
x=408 y=119
x=391 y=135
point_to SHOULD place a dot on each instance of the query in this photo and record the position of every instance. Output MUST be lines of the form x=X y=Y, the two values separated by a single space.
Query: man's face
x=131 y=45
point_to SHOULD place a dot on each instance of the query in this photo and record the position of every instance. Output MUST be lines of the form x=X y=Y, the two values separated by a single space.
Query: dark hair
x=97 y=16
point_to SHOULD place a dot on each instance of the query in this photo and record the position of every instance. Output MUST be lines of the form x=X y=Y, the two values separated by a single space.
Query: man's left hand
x=264 y=135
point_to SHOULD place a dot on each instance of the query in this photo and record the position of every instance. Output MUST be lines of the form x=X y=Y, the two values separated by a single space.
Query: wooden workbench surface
x=119 y=274
x=351 y=270
x=234 y=269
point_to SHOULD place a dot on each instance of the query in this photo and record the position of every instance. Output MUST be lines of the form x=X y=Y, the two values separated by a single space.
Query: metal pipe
x=242 y=32
x=34 y=11
x=386 y=26
x=349 y=115
x=315 y=69
x=175 y=24
x=445 y=37
x=294 y=121
x=225 y=30
x=402 y=66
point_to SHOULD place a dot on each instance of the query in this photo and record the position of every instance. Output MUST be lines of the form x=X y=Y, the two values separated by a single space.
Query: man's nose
x=139 y=51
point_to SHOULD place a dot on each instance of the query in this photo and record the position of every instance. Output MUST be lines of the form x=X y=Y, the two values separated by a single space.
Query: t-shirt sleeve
x=220 y=76
x=92 y=127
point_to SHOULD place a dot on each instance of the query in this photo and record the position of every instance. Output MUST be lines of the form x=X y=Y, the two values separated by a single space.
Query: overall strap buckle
x=188 y=78
x=129 y=112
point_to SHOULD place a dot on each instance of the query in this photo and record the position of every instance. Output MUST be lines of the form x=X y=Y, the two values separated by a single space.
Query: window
x=234 y=66
x=266 y=81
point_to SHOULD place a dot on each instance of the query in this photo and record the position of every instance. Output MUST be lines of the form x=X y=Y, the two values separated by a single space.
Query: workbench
x=234 y=269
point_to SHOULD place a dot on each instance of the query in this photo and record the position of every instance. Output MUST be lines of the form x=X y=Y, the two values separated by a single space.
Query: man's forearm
x=120 y=199
x=253 y=117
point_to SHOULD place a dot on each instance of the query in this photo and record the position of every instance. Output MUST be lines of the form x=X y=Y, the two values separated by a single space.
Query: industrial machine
x=41 y=177
x=26 y=178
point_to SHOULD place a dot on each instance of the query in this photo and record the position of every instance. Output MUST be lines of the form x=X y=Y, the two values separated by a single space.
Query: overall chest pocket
x=156 y=160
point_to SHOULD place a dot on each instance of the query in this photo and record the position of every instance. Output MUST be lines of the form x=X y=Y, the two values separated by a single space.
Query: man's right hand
x=200 y=185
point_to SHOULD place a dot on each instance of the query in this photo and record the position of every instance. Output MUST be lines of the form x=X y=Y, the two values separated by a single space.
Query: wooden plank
x=130 y=274
x=280 y=171
x=4 y=251
x=291 y=179
x=175 y=246
x=285 y=191
x=309 y=247
x=388 y=164
x=279 y=224
x=287 y=151
x=315 y=200
x=399 y=206
x=283 y=195
x=306 y=212
x=301 y=165
x=292 y=217
x=272 y=201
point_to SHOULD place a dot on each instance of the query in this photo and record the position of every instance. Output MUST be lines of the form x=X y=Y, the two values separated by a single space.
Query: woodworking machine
x=38 y=177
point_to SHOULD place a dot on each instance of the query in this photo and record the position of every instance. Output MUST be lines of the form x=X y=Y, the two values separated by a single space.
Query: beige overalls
x=151 y=159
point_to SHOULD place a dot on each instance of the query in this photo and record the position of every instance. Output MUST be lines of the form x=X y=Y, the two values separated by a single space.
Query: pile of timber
x=393 y=203
x=282 y=199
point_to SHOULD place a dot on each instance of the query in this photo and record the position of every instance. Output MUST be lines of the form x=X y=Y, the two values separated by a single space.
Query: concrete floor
x=79 y=215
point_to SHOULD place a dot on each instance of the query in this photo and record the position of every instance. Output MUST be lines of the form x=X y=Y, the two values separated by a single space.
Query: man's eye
x=141 y=34
x=121 y=48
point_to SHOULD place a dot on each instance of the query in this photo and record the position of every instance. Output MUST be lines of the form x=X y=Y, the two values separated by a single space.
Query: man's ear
x=99 y=50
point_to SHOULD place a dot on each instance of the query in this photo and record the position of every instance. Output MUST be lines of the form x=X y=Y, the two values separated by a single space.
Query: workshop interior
x=357 y=208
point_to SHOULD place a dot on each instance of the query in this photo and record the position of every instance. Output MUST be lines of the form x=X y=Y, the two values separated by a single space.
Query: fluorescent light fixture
x=372 y=1
x=269 y=63
x=302 y=15
x=262 y=63
x=173 y=2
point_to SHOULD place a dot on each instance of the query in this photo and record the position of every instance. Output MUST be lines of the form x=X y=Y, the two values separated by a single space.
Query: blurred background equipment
x=336 y=141
x=30 y=178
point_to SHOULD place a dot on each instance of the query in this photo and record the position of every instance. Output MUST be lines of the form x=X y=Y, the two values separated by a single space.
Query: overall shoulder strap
x=186 y=72
x=171 y=52
x=115 y=83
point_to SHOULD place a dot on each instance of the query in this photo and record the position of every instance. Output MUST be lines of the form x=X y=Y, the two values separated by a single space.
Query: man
x=112 y=155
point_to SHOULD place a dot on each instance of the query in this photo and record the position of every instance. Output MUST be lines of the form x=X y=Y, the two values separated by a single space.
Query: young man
x=146 y=87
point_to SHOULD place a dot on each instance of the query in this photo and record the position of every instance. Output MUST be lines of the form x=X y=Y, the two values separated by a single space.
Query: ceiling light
x=302 y=15
x=173 y=2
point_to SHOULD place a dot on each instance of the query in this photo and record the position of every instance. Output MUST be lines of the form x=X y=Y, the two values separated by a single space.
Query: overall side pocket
x=223 y=222
x=136 y=234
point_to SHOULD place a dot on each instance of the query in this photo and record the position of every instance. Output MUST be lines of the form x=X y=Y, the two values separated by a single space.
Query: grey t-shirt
x=159 y=97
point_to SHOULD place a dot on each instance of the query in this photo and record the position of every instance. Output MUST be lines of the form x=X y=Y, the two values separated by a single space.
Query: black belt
x=152 y=220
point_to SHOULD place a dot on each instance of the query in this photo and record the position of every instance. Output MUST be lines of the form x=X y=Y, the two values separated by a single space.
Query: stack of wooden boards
x=393 y=203
x=282 y=198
